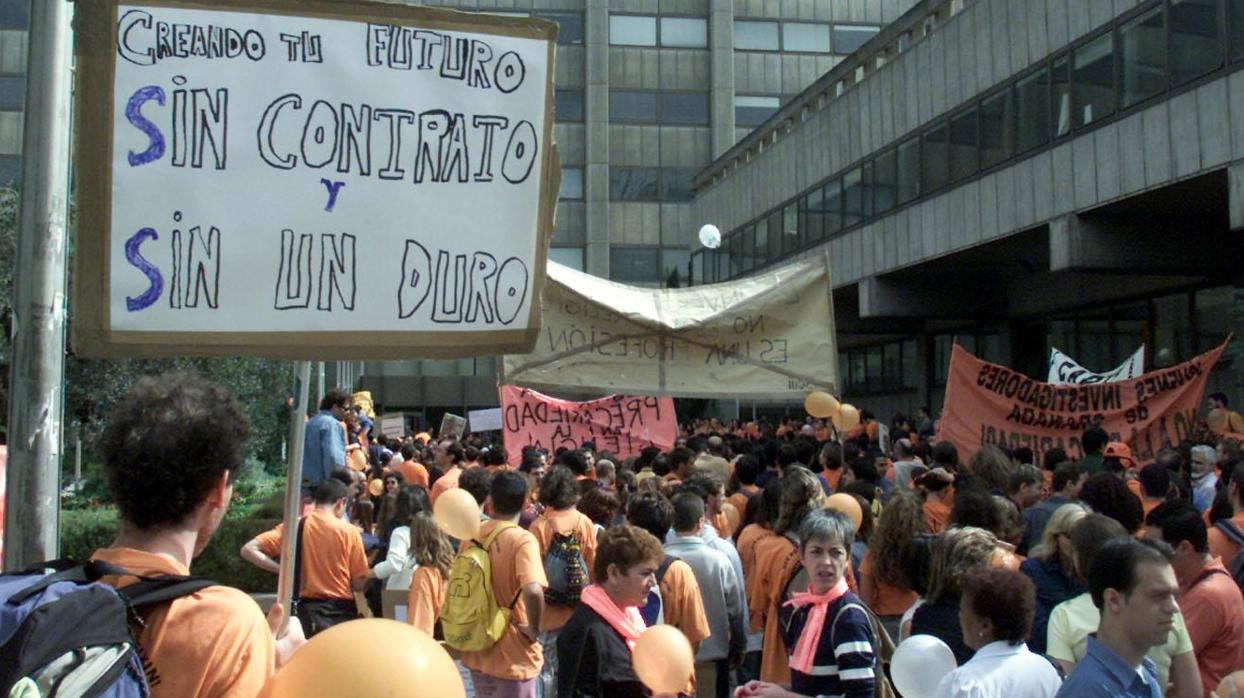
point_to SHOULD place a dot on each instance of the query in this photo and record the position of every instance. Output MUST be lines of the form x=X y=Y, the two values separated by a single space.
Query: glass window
x=1094 y=80
x=632 y=106
x=755 y=36
x=776 y=233
x=674 y=266
x=1032 y=111
x=690 y=32
x=885 y=181
x=697 y=267
x=747 y=249
x=790 y=228
x=858 y=381
x=1060 y=96
x=892 y=366
x=833 y=207
x=997 y=128
x=1142 y=52
x=873 y=369
x=572 y=183
x=752 y=110
x=934 y=159
x=810 y=38
x=567 y=256
x=1196 y=43
x=635 y=265
x=676 y=183
x=570 y=27
x=813 y=227
x=632 y=30
x=848 y=39
x=633 y=184
x=908 y=170
x=12 y=92
x=963 y=145
x=14 y=15
x=10 y=170
x=684 y=108
x=568 y=105
x=911 y=364
x=761 y=251
x=852 y=197
x=1236 y=9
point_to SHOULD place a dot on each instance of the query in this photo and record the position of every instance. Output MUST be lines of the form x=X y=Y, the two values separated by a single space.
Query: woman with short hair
x=995 y=615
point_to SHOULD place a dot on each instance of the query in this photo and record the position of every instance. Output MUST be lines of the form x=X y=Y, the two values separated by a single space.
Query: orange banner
x=623 y=424
x=991 y=404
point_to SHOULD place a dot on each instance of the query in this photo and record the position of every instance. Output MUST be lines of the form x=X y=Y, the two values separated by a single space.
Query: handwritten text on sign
x=279 y=174
x=991 y=404
x=623 y=424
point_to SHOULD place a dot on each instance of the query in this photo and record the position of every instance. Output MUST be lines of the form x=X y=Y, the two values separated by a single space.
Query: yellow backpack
x=471 y=618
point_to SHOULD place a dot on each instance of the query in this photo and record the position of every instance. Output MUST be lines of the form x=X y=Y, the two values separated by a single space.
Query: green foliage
x=83 y=532
x=8 y=253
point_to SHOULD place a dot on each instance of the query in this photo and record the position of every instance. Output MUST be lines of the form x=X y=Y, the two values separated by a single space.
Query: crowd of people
x=1097 y=576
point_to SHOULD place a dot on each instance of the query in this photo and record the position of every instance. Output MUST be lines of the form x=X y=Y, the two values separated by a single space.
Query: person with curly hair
x=1107 y=494
x=594 y=647
x=955 y=553
x=995 y=617
x=172 y=449
x=885 y=585
x=432 y=555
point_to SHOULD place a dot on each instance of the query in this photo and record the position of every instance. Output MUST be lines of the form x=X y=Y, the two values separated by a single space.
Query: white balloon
x=710 y=236
x=919 y=664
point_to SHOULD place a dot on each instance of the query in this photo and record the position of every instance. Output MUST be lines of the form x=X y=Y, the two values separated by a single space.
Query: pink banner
x=623 y=424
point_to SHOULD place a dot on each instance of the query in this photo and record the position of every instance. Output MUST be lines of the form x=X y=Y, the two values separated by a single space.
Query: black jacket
x=593 y=660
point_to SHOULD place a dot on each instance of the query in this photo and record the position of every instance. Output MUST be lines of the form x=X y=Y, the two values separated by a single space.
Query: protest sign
x=452 y=426
x=484 y=420
x=313 y=180
x=1065 y=371
x=623 y=424
x=991 y=404
x=769 y=336
x=393 y=425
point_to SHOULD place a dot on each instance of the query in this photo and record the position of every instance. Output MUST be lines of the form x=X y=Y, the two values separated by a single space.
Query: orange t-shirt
x=936 y=515
x=721 y=523
x=332 y=552
x=749 y=540
x=448 y=481
x=566 y=521
x=1134 y=487
x=681 y=603
x=413 y=473
x=426 y=597
x=515 y=559
x=1220 y=545
x=776 y=559
x=739 y=499
x=886 y=599
x=214 y=643
x=1215 y=619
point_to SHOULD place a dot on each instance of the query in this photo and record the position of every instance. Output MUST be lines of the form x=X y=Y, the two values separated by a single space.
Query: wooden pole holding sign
x=32 y=519
x=293 y=491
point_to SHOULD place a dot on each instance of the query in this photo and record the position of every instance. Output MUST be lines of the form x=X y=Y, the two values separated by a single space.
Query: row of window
x=882 y=368
x=1166 y=45
x=800 y=37
x=671 y=108
x=670 y=184
x=634 y=264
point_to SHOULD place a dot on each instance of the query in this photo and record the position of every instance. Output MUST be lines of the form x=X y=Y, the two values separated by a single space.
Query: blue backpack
x=69 y=634
x=653 y=611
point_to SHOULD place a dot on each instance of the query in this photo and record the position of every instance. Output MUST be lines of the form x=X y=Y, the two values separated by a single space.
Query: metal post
x=293 y=489
x=319 y=382
x=32 y=526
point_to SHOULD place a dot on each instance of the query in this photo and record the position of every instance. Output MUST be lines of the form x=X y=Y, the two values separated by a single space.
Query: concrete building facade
x=1016 y=174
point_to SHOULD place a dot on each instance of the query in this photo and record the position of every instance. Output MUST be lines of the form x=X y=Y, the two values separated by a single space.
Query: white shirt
x=397 y=568
x=1001 y=670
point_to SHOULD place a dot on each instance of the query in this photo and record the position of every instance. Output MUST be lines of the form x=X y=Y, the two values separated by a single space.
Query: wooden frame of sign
x=114 y=284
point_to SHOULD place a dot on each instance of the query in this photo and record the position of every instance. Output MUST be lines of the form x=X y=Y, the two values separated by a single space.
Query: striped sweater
x=844 y=659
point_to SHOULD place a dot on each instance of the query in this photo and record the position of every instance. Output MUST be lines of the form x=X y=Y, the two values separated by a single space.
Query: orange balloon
x=663 y=659
x=357 y=460
x=733 y=518
x=457 y=513
x=413 y=664
x=820 y=404
x=376 y=487
x=847 y=417
x=848 y=505
x=1231 y=686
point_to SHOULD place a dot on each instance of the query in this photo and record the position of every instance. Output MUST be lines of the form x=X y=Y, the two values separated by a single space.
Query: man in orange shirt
x=172 y=448
x=448 y=458
x=331 y=563
x=510 y=667
x=1220 y=544
x=413 y=473
x=1211 y=602
x=681 y=604
x=559 y=493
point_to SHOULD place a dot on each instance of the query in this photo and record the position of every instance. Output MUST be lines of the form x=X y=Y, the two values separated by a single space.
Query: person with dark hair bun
x=995 y=613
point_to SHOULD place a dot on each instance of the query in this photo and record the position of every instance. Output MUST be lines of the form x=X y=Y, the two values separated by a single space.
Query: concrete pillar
x=596 y=169
x=721 y=62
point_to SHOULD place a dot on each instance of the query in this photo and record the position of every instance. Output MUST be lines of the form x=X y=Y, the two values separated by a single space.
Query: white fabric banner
x=1065 y=371
x=769 y=336
x=484 y=420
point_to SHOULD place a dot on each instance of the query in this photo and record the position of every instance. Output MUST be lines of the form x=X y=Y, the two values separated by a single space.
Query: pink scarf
x=626 y=621
x=805 y=649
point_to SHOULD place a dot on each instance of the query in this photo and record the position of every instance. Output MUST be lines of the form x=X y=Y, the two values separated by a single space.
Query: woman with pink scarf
x=826 y=628
x=594 y=648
